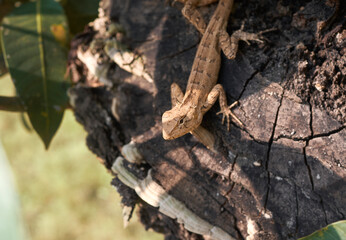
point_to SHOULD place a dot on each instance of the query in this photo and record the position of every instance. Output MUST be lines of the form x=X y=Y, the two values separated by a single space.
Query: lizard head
x=179 y=121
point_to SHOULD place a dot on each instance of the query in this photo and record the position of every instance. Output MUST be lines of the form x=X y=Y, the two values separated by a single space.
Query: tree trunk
x=282 y=176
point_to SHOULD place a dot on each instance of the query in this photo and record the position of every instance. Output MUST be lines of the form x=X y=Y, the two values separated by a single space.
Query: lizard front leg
x=219 y=93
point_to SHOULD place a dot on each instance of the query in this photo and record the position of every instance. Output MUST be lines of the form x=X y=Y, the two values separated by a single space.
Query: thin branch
x=11 y=104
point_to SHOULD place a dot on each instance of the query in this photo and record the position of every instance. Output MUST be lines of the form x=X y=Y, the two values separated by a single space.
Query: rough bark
x=283 y=175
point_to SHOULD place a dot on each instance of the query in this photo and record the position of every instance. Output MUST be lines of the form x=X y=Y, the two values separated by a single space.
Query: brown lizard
x=202 y=91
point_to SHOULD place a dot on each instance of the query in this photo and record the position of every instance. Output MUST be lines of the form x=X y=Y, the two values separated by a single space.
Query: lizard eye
x=181 y=121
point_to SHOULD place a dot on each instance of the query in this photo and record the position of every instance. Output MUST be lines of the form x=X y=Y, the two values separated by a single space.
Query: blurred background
x=59 y=198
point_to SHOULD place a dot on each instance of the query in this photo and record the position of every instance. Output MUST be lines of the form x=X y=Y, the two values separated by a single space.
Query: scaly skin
x=202 y=91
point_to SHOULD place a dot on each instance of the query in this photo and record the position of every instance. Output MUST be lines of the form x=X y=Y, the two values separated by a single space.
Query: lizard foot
x=229 y=44
x=246 y=36
x=227 y=113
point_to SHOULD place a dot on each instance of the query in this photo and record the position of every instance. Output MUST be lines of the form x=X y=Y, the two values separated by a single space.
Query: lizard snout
x=167 y=127
x=165 y=135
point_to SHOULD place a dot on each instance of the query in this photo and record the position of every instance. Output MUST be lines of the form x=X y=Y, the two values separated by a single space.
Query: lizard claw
x=247 y=37
x=227 y=113
x=258 y=37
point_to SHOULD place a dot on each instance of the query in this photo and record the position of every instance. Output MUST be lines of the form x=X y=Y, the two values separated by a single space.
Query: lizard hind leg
x=193 y=15
x=177 y=94
x=229 y=44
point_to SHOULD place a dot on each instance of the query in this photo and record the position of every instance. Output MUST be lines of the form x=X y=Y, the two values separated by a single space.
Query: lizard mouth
x=166 y=136
x=171 y=135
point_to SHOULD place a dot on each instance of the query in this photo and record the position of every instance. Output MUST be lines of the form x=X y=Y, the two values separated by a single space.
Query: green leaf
x=37 y=60
x=80 y=13
x=334 y=231
x=3 y=68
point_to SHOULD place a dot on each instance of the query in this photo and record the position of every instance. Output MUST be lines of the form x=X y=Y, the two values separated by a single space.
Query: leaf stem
x=11 y=104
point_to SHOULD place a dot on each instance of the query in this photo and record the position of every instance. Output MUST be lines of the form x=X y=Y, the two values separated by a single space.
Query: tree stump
x=280 y=177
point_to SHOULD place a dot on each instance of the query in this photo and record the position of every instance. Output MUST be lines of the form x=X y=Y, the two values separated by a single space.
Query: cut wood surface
x=280 y=177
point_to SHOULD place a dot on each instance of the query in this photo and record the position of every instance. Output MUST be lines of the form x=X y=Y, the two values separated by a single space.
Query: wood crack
x=230 y=181
x=246 y=84
x=308 y=138
x=309 y=168
x=304 y=151
x=270 y=145
x=297 y=211
x=261 y=69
